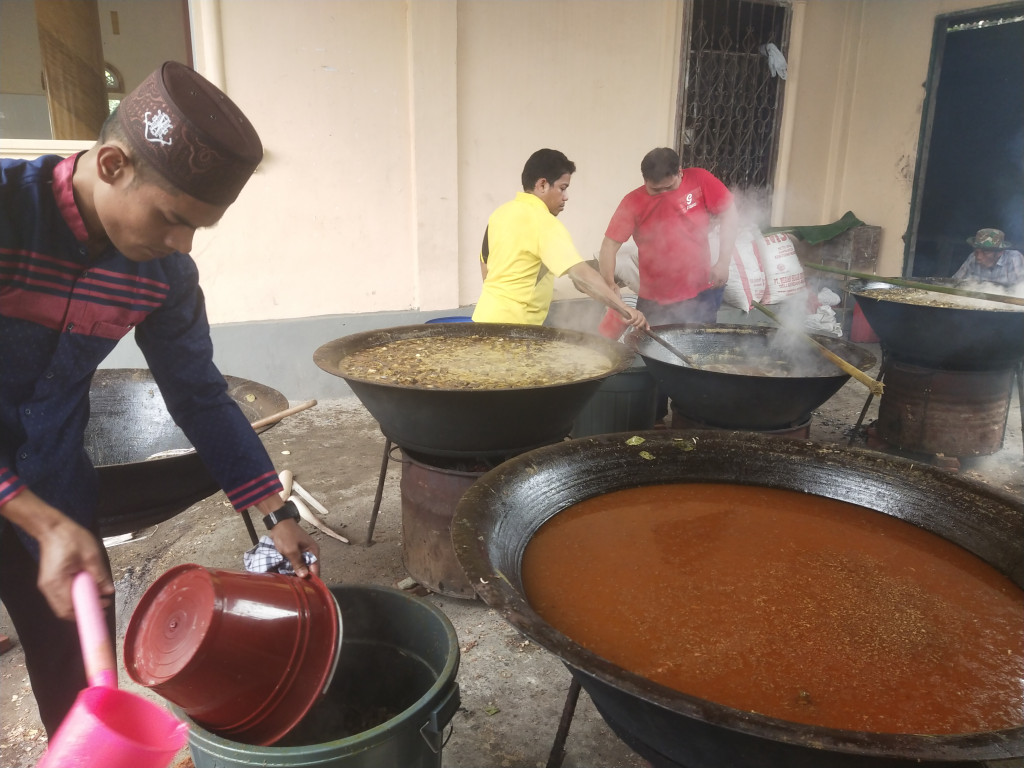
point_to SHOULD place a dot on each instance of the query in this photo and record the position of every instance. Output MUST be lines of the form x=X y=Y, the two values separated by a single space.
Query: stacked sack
x=765 y=269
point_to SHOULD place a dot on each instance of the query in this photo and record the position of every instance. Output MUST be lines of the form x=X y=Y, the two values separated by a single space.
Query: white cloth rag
x=828 y=297
x=776 y=61
x=264 y=558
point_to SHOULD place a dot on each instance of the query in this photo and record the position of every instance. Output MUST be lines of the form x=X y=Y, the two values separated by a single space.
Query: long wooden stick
x=923 y=286
x=876 y=387
x=276 y=417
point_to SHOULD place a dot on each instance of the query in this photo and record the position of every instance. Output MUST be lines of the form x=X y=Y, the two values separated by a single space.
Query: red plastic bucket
x=861 y=330
x=244 y=654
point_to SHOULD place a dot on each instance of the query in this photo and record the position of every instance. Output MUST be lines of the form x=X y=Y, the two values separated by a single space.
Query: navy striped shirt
x=62 y=312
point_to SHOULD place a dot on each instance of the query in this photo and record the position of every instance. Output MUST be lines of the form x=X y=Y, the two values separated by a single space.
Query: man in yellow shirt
x=525 y=248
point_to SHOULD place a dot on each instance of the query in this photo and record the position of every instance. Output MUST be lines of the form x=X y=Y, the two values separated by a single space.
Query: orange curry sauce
x=787 y=604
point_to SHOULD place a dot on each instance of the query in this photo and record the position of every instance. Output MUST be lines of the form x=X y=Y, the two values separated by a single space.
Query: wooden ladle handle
x=276 y=417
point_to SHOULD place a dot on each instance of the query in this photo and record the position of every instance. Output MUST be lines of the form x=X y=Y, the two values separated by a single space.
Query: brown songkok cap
x=190 y=132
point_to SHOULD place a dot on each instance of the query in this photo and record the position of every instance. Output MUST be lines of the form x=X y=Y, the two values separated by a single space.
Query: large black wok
x=128 y=424
x=954 y=338
x=738 y=400
x=479 y=422
x=499 y=514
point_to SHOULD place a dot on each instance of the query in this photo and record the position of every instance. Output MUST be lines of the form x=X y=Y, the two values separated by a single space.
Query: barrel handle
x=433 y=730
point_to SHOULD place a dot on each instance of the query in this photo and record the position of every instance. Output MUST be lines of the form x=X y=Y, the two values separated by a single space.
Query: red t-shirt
x=671 y=234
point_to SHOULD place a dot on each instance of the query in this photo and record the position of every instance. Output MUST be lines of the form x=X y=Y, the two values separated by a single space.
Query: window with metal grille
x=730 y=103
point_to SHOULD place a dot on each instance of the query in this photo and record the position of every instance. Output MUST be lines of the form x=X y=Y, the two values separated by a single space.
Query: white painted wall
x=394 y=127
x=596 y=80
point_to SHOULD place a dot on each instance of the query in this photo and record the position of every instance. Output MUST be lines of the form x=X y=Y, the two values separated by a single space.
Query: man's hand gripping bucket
x=106 y=726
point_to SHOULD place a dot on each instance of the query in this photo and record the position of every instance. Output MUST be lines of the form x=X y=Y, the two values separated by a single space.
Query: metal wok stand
x=871 y=396
x=389 y=446
x=249 y=527
x=557 y=754
x=380 y=490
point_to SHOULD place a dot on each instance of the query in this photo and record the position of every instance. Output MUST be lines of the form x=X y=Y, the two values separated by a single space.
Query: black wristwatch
x=288 y=512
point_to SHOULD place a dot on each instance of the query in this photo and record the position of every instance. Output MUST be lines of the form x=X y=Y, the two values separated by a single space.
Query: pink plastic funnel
x=108 y=727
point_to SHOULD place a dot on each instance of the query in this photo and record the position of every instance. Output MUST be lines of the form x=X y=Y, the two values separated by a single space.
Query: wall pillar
x=433 y=110
x=72 y=55
x=789 y=107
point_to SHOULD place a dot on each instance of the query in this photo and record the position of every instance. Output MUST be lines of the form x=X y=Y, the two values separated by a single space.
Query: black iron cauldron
x=943 y=337
x=473 y=422
x=498 y=515
x=737 y=400
x=128 y=425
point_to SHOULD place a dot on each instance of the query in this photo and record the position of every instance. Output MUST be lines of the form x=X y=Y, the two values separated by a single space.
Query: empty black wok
x=741 y=401
x=499 y=514
x=128 y=424
x=472 y=422
x=952 y=338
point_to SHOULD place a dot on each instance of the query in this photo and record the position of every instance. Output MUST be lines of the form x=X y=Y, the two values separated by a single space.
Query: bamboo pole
x=923 y=286
x=876 y=387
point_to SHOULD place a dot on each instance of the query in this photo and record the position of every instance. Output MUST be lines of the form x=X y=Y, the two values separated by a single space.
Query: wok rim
x=858 y=287
x=327 y=359
x=277 y=401
x=635 y=341
x=498 y=593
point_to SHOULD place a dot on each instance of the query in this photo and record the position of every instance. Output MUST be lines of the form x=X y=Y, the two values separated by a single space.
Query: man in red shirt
x=669 y=217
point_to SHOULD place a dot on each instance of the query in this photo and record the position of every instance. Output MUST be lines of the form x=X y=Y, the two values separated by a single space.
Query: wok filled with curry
x=473 y=389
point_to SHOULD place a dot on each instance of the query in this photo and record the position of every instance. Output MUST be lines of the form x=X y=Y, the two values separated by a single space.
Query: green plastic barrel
x=625 y=402
x=396 y=675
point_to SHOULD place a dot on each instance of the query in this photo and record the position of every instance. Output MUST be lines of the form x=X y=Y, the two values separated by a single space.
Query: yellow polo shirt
x=522 y=237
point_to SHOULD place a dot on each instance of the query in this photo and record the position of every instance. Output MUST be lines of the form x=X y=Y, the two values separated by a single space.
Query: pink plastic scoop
x=107 y=727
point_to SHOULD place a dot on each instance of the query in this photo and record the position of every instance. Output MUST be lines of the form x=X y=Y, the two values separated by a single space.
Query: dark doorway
x=970 y=167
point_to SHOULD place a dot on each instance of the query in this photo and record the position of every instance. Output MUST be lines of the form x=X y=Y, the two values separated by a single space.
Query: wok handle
x=433 y=730
x=287 y=478
x=97 y=650
x=276 y=417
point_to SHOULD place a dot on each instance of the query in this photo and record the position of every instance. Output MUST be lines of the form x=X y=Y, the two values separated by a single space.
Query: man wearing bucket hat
x=91 y=247
x=994 y=260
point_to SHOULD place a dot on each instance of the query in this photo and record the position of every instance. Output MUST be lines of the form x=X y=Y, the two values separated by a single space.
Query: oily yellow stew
x=475 y=362
x=786 y=604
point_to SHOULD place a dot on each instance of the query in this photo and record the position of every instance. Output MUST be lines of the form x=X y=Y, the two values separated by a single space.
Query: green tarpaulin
x=819 y=233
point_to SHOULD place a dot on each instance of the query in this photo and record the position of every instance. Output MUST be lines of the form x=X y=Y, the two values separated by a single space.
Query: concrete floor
x=512 y=691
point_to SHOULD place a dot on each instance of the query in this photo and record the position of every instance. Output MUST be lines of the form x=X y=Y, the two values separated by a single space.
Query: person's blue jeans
x=702 y=308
